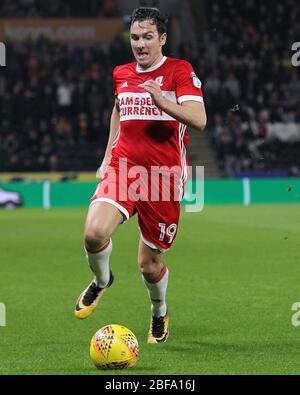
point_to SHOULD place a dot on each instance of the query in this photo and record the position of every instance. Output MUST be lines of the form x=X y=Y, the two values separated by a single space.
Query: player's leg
x=158 y=222
x=102 y=220
x=155 y=275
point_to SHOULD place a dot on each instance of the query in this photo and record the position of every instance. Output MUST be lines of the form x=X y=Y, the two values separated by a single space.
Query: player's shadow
x=220 y=347
x=201 y=346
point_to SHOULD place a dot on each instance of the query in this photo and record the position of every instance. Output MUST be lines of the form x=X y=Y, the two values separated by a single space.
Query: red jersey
x=148 y=136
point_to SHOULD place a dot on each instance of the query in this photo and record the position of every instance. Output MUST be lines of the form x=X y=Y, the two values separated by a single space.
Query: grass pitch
x=234 y=276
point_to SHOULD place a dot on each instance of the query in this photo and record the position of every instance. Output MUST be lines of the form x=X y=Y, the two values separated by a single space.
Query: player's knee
x=95 y=238
x=148 y=267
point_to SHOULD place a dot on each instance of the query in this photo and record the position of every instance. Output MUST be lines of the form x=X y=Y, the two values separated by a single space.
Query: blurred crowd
x=249 y=81
x=55 y=100
x=55 y=105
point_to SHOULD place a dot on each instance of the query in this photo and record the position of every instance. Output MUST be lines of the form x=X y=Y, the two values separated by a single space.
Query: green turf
x=234 y=275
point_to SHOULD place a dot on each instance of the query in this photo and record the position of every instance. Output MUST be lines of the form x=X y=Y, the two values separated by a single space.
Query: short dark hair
x=152 y=14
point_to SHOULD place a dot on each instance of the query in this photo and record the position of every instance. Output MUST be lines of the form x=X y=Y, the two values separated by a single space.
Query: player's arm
x=191 y=113
x=113 y=130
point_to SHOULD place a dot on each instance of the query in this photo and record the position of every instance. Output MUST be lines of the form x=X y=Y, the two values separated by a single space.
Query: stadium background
x=56 y=91
x=56 y=96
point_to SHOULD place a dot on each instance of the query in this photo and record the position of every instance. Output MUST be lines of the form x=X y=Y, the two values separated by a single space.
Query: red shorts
x=155 y=199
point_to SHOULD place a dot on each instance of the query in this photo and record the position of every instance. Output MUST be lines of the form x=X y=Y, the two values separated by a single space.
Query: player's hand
x=156 y=93
x=102 y=169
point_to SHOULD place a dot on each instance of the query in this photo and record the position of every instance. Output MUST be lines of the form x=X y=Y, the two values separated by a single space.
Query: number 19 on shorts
x=169 y=232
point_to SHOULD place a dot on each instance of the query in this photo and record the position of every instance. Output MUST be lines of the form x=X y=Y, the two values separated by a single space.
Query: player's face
x=146 y=43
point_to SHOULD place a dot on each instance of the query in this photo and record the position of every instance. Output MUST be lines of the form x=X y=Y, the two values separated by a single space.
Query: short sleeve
x=188 y=85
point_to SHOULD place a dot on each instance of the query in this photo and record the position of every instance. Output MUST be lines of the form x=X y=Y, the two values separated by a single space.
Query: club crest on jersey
x=196 y=82
x=159 y=80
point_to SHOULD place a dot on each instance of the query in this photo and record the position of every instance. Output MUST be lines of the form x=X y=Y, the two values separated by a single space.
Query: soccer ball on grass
x=114 y=347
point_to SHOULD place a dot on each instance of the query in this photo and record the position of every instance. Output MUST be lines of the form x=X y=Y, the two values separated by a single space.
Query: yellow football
x=114 y=347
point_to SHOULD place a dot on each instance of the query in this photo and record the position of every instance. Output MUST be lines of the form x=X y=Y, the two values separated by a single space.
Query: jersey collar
x=139 y=70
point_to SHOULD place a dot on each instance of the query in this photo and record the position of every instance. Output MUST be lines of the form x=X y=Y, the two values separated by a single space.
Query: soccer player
x=156 y=99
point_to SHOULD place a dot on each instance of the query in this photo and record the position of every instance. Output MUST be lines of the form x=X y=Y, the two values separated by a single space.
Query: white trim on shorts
x=151 y=245
x=119 y=207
